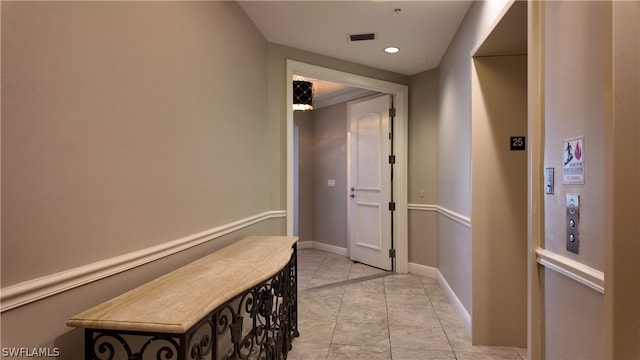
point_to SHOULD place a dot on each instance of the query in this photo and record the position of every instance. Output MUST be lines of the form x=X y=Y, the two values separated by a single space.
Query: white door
x=370 y=181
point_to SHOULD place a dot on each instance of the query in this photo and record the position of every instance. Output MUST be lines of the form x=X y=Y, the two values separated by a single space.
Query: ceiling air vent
x=362 y=37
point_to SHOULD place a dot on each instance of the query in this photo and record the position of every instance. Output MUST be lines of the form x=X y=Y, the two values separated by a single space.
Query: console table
x=239 y=302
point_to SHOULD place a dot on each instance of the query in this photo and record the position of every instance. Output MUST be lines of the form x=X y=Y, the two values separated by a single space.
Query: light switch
x=548 y=181
x=331 y=182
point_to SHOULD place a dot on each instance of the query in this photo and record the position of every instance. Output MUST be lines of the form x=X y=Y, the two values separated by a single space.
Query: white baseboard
x=423 y=270
x=330 y=248
x=36 y=289
x=310 y=244
x=305 y=244
x=464 y=316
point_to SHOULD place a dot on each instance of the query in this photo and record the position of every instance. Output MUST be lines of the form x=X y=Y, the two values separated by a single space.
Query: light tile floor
x=318 y=268
x=398 y=316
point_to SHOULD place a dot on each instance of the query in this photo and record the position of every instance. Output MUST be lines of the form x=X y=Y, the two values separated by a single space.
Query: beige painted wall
x=330 y=162
x=423 y=138
x=577 y=103
x=423 y=237
x=454 y=147
x=304 y=121
x=573 y=325
x=622 y=249
x=116 y=138
x=123 y=127
x=499 y=201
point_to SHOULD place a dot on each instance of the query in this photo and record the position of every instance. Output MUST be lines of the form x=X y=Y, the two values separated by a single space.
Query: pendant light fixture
x=302 y=95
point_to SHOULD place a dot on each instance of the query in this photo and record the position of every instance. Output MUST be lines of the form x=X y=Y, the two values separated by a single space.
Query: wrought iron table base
x=259 y=323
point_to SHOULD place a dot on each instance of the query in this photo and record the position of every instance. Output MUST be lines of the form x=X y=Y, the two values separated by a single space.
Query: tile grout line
x=386 y=305
x=318 y=267
x=336 y=326
x=446 y=333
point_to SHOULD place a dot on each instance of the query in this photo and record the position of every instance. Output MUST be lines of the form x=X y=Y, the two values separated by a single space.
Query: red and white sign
x=573 y=161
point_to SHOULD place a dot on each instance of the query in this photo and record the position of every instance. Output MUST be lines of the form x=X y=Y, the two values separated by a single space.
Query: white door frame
x=400 y=95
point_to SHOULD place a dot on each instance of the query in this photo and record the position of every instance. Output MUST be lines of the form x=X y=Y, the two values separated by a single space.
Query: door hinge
x=392 y=159
x=392 y=206
x=392 y=253
x=392 y=112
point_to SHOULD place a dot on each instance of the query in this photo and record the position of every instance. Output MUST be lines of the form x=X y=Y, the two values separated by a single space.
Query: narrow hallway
x=397 y=316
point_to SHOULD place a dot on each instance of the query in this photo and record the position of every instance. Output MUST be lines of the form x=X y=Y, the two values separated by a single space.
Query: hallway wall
x=330 y=162
x=133 y=137
x=622 y=249
x=454 y=150
x=499 y=198
x=120 y=134
x=576 y=103
x=423 y=168
x=304 y=121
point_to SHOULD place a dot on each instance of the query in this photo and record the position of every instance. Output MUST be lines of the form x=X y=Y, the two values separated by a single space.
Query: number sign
x=518 y=143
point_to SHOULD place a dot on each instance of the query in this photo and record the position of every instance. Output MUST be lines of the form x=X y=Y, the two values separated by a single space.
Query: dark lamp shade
x=302 y=95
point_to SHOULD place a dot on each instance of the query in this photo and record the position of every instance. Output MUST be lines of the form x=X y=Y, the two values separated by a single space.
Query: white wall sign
x=573 y=161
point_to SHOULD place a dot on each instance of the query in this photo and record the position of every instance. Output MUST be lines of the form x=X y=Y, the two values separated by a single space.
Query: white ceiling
x=421 y=29
x=326 y=93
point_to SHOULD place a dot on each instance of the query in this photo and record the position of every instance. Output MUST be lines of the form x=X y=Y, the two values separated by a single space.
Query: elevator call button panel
x=573 y=220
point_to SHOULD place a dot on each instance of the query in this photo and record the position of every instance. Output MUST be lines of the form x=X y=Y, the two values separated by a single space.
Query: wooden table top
x=173 y=303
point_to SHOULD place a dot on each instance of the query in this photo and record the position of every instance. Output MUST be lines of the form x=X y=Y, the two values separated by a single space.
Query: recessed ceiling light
x=391 y=50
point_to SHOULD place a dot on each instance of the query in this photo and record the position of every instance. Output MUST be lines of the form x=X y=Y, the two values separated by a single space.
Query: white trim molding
x=572 y=269
x=423 y=270
x=423 y=207
x=338 y=250
x=400 y=93
x=36 y=289
x=459 y=218
x=310 y=244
